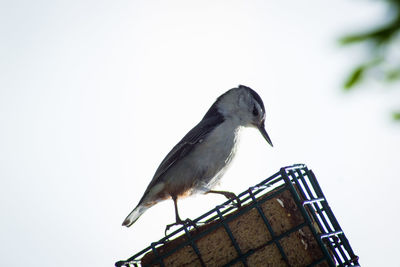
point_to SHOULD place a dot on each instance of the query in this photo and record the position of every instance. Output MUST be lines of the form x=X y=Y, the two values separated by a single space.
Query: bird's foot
x=235 y=200
x=187 y=222
x=232 y=196
x=228 y=195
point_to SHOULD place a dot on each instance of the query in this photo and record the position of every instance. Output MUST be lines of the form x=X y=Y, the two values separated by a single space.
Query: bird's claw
x=187 y=222
x=238 y=204
x=229 y=195
x=235 y=200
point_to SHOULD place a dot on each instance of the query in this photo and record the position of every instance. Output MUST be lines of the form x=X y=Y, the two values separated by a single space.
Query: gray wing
x=186 y=145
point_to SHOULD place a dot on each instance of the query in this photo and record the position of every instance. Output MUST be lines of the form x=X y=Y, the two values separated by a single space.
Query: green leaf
x=379 y=36
x=396 y=116
x=350 y=39
x=393 y=75
x=355 y=77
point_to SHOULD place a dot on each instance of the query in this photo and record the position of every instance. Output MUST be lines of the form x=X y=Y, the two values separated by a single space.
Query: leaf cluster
x=380 y=61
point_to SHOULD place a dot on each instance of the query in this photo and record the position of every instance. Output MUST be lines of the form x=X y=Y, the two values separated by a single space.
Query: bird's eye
x=255 y=111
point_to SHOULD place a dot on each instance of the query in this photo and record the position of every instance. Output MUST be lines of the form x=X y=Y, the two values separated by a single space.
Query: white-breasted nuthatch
x=200 y=159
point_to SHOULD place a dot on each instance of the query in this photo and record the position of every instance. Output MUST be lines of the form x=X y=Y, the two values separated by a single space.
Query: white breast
x=214 y=154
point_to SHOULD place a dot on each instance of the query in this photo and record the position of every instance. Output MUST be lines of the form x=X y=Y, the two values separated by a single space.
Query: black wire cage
x=309 y=202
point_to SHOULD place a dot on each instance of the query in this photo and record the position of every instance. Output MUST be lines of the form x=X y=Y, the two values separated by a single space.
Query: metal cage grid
x=310 y=200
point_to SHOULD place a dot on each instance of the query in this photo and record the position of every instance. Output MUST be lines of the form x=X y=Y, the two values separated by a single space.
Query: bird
x=197 y=163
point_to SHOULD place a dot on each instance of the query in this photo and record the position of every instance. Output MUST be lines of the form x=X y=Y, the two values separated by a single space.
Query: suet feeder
x=283 y=221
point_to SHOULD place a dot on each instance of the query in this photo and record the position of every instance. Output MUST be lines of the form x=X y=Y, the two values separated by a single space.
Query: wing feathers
x=212 y=119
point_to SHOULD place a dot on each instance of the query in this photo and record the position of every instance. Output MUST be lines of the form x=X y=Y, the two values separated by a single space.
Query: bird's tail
x=134 y=215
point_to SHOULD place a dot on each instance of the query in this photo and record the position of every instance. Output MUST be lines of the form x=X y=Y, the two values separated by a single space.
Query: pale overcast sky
x=94 y=94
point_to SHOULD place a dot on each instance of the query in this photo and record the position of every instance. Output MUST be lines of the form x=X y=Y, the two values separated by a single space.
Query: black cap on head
x=255 y=95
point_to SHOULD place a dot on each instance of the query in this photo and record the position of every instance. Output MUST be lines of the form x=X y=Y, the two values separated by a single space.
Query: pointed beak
x=261 y=127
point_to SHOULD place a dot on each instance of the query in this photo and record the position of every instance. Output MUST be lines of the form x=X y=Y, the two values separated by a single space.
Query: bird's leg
x=228 y=195
x=177 y=218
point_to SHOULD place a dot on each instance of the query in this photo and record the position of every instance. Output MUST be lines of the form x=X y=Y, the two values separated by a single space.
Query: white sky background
x=94 y=94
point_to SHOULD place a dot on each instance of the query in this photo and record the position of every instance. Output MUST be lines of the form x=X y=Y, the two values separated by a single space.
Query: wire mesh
x=310 y=201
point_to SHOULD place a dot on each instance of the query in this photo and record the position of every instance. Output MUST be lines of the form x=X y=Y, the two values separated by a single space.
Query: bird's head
x=244 y=105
